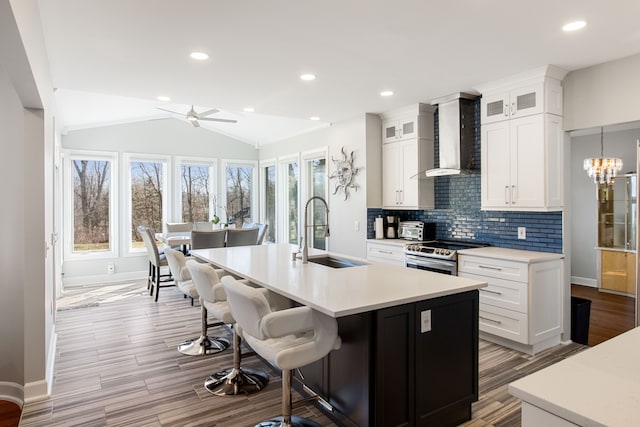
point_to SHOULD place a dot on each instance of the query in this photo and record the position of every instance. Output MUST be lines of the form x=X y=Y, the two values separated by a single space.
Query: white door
x=391 y=171
x=495 y=166
x=527 y=162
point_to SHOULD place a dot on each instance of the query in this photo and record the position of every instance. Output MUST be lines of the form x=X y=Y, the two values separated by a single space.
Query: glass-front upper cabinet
x=617 y=213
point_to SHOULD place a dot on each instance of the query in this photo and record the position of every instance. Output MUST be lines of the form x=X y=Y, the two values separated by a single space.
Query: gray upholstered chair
x=156 y=262
x=242 y=236
x=178 y=267
x=288 y=338
x=262 y=230
x=178 y=227
x=232 y=381
x=208 y=239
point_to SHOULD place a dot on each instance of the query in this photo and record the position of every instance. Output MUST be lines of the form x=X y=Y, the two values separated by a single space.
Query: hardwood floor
x=610 y=314
x=117 y=365
x=9 y=414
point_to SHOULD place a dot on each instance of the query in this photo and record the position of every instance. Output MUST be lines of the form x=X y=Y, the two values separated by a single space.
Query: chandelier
x=602 y=169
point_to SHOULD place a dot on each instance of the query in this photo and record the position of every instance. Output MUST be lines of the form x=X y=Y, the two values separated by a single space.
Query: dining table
x=176 y=238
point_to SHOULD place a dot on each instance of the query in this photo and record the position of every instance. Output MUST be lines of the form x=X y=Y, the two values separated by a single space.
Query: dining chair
x=242 y=236
x=157 y=260
x=208 y=239
x=262 y=230
x=178 y=267
x=174 y=227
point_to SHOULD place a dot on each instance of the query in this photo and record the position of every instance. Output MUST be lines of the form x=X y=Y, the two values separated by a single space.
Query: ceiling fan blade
x=208 y=112
x=173 y=112
x=211 y=119
x=195 y=123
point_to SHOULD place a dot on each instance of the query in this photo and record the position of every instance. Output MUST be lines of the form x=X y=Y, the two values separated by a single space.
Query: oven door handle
x=429 y=263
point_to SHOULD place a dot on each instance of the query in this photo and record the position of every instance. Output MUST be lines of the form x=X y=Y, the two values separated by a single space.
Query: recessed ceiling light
x=386 y=93
x=308 y=77
x=163 y=98
x=314 y=118
x=200 y=56
x=249 y=109
x=573 y=26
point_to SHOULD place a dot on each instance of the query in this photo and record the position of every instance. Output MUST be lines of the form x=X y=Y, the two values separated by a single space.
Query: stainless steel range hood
x=456 y=134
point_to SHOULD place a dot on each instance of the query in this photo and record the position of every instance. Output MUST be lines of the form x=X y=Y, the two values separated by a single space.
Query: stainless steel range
x=440 y=256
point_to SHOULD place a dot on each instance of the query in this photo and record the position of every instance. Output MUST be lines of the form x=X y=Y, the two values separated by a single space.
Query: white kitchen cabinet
x=521 y=101
x=401 y=162
x=521 y=306
x=414 y=121
x=521 y=163
x=386 y=251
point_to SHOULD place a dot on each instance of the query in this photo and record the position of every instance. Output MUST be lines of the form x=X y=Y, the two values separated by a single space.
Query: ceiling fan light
x=192 y=118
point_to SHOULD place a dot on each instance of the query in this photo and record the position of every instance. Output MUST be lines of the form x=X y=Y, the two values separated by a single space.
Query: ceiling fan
x=194 y=117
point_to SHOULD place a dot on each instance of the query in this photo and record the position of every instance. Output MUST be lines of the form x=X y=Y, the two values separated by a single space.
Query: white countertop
x=334 y=291
x=597 y=387
x=511 y=254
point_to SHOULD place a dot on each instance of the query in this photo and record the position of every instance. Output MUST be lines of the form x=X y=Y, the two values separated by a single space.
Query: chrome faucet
x=305 y=247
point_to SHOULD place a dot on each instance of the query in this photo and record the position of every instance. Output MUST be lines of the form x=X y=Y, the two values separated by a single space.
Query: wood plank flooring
x=117 y=365
x=610 y=314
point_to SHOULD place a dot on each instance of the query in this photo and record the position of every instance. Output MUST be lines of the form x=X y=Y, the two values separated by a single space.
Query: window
x=91 y=202
x=239 y=192
x=316 y=185
x=269 y=198
x=197 y=198
x=147 y=196
x=290 y=199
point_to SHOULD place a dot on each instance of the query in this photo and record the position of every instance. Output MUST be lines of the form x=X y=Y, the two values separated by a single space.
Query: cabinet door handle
x=514 y=195
x=397 y=199
x=513 y=109
x=490 y=267
x=506 y=110
x=506 y=194
x=497 y=322
x=401 y=197
x=490 y=291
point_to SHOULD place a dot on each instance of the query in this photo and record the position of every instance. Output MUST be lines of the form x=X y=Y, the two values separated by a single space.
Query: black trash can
x=580 y=311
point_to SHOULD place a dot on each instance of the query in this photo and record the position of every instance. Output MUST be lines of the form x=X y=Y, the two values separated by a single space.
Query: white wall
x=604 y=94
x=363 y=136
x=620 y=144
x=171 y=137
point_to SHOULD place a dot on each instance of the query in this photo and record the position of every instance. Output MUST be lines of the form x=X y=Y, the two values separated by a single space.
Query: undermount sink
x=334 y=262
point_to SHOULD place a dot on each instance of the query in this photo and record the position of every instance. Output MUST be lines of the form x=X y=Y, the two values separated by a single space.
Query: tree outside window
x=91 y=204
x=270 y=203
x=318 y=172
x=195 y=181
x=146 y=198
x=239 y=187
x=292 y=202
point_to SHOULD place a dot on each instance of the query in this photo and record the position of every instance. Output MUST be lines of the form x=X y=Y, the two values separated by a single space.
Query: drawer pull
x=488 y=267
x=385 y=252
x=497 y=322
x=490 y=291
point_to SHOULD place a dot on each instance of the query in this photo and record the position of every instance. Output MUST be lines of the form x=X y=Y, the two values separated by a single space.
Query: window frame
x=68 y=156
x=305 y=178
x=263 y=165
x=255 y=188
x=282 y=194
x=212 y=163
x=125 y=234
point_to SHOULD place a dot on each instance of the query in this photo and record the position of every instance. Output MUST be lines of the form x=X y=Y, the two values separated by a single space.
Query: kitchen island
x=409 y=352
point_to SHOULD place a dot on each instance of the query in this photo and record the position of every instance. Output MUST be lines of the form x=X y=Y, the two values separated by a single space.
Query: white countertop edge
x=509 y=254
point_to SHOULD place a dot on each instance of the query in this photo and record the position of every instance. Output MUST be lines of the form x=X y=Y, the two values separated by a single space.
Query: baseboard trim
x=36 y=391
x=12 y=392
x=103 y=278
x=584 y=281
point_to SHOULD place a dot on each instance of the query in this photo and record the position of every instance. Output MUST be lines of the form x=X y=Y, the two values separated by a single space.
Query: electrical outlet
x=111 y=268
x=522 y=233
x=425 y=321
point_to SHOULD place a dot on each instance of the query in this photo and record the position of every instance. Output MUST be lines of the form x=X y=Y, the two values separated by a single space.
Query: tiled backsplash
x=457 y=214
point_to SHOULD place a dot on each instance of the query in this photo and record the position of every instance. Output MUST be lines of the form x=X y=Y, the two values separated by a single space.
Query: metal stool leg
x=286 y=420
x=237 y=380
x=203 y=344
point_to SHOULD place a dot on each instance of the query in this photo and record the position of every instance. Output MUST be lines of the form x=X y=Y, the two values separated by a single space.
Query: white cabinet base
x=524 y=348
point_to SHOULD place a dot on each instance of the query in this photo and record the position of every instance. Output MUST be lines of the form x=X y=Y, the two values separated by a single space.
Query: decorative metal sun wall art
x=344 y=173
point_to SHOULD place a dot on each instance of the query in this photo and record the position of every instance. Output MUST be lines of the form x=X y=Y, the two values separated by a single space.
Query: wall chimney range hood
x=456 y=134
